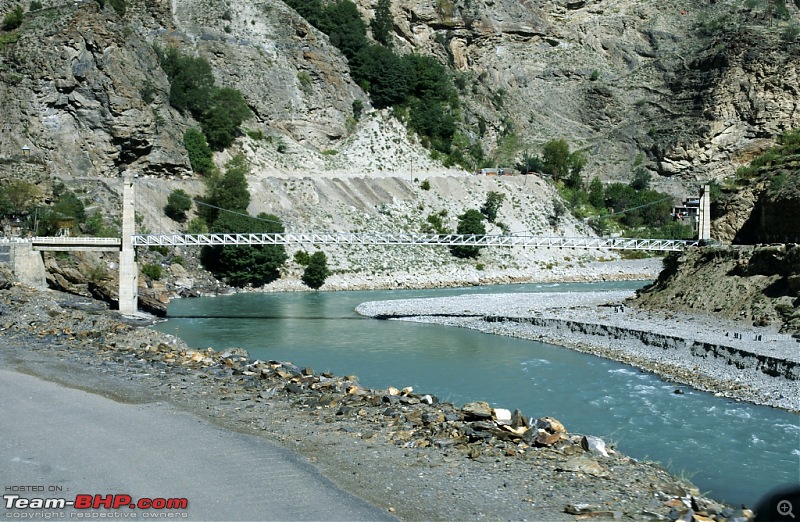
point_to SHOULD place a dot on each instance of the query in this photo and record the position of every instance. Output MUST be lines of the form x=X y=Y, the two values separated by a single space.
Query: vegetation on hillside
x=419 y=88
x=224 y=210
x=629 y=209
x=220 y=111
x=778 y=165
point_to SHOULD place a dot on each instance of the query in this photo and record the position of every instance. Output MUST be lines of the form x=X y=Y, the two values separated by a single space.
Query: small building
x=496 y=171
x=689 y=209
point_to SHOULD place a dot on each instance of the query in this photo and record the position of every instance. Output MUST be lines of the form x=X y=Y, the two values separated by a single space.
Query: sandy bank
x=725 y=357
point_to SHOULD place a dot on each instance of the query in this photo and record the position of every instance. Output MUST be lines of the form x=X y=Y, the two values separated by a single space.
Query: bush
x=221 y=121
x=178 y=204
x=425 y=185
x=200 y=154
x=245 y=265
x=191 y=81
x=13 y=18
x=197 y=226
x=470 y=222
x=152 y=271
x=494 y=200
x=35 y=5
x=302 y=258
x=317 y=271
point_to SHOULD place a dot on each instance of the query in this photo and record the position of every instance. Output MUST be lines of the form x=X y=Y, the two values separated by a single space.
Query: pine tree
x=382 y=24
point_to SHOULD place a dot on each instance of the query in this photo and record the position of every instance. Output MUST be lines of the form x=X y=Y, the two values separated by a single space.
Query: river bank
x=465 y=276
x=403 y=450
x=728 y=358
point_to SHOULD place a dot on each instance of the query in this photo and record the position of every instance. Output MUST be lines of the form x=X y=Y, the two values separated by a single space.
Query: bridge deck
x=66 y=244
x=337 y=238
x=334 y=238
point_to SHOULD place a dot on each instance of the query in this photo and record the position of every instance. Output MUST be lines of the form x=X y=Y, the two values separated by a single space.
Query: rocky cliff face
x=621 y=80
x=756 y=284
x=618 y=79
x=87 y=96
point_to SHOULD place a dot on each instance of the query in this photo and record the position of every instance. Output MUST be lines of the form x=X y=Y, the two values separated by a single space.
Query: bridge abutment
x=27 y=264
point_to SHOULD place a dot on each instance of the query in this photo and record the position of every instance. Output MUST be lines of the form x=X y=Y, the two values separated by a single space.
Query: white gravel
x=708 y=353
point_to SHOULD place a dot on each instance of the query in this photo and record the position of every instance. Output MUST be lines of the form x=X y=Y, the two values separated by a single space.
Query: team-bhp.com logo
x=151 y=507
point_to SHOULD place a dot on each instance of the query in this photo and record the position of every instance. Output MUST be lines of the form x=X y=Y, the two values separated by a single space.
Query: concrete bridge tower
x=128 y=271
x=704 y=214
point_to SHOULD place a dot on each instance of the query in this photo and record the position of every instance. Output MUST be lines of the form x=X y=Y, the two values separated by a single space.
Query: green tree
x=222 y=119
x=343 y=24
x=470 y=222
x=382 y=24
x=200 y=154
x=245 y=265
x=316 y=271
x=191 y=81
x=383 y=74
x=13 y=19
x=555 y=155
x=178 y=204
x=494 y=200
x=229 y=191
x=69 y=206
x=641 y=179
x=596 y=194
x=576 y=162
x=18 y=197
x=530 y=163
x=563 y=164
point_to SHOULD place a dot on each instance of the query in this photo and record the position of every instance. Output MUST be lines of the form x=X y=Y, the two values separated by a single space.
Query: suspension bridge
x=128 y=291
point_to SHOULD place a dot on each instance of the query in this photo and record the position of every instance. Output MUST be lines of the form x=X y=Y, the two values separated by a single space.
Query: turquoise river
x=732 y=451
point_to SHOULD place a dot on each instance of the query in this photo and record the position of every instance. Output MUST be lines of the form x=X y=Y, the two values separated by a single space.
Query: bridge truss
x=336 y=238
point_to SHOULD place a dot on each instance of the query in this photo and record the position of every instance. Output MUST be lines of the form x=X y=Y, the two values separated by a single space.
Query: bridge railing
x=300 y=238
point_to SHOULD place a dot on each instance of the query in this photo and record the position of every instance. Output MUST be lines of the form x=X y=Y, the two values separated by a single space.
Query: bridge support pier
x=27 y=265
x=704 y=216
x=128 y=270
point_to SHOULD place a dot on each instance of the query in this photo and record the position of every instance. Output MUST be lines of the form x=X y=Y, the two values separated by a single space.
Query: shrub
x=191 y=81
x=302 y=258
x=425 y=185
x=152 y=271
x=470 y=222
x=317 y=271
x=178 y=204
x=178 y=260
x=222 y=120
x=358 y=108
x=13 y=18
x=257 y=135
x=494 y=200
x=197 y=226
x=200 y=154
x=35 y=5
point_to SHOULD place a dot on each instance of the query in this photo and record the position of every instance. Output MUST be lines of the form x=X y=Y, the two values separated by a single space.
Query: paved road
x=52 y=436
